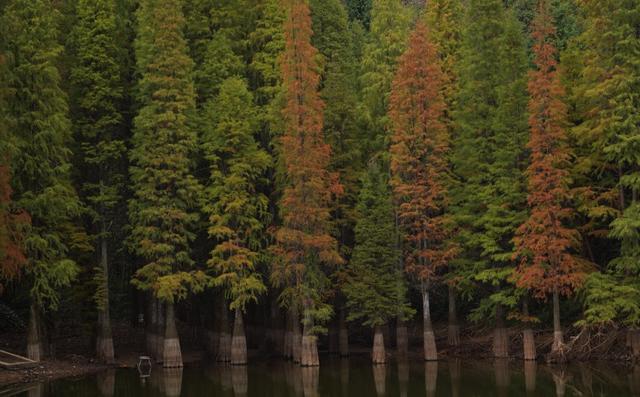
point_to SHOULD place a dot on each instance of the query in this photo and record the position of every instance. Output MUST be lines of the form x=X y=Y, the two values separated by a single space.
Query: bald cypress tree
x=40 y=164
x=165 y=191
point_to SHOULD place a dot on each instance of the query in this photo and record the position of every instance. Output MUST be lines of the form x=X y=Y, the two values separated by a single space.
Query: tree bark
x=161 y=325
x=296 y=339
x=402 y=339
x=528 y=340
x=34 y=342
x=343 y=334
x=500 y=336
x=453 y=337
x=172 y=354
x=557 y=349
x=429 y=339
x=309 y=356
x=378 y=355
x=104 y=340
x=238 y=341
x=224 y=349
x=633 y=336
x=380 y=379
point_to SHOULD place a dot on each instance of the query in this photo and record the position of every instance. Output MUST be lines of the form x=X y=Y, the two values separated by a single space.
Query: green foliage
x=360 y=10
x=608 y=301
x=41 y=168
x=238 y=213
x=373 y=293
x=165 y=191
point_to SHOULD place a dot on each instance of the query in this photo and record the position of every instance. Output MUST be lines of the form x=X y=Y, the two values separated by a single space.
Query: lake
x=353 y=377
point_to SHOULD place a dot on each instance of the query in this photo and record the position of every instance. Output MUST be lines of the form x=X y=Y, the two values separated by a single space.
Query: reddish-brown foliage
x=543 y=242
x=418 y=164
x=309 y=186
x=12 y=256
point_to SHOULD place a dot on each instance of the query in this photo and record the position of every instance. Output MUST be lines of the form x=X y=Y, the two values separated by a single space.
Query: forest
x=294 y=177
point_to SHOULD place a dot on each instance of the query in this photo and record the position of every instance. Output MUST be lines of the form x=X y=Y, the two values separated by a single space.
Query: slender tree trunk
x=238 y=341
x=500 y=336
x=378 y=355
x=402 y=339
x=224 y=349
x=429 y=339
x=528 y=340
x=380 y=379
x=172 y=353
x=454 y=327
x=343 y=333
x=34 y=342
x=557 y=350
x=104 y=340
x=309 y=357
x=296 y=338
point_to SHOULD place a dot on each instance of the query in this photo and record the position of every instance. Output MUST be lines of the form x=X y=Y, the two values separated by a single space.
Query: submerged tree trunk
x=453 y=337
x=34 y=341
x=557 y=349
x=172 y=355
x=378 y=355
x=528 y=340
x=431 y=377
x=104 y=340
x=309 y=356
x=380 y=379
x=224 y=349
x=429 y=339
x=343 y=334
x=500 y=336
x=238 y=341
x=402 y=339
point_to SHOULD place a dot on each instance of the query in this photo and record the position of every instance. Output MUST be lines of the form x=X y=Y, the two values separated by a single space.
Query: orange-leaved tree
x=12 y=257
x=544 y=242
x=419 y=166
x=304 y=243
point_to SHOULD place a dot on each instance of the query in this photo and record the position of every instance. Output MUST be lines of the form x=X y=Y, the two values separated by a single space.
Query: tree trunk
x=332 y=337
x=530 y=373
x=380 y=379
x=633 y=336
x=104 y=340
x=454 y=327
x=296 y=339
x=378 y=355
x=238 y=342
x=34 y=343
x=431 y=377
x=172 y=355
x=402 y=339
x=343 y=334
x=224 y=349
x=557 y=349
x=287 y=351
x=161 y=325
x=528 y=340
x=309 y=356
x=151 y=324
x=500 y=336
x=429 y=339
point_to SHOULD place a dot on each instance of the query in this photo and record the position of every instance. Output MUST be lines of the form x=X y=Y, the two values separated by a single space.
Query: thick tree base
x=430 y=349
x=500 y=343
x=239 y=350
x=296 y=347
x=104 y=350
x=558 y=352
x=633 y=336
x=211 y=343
x=453 y=335
x=172 y=354
x=34 y=351
x=309 y=356
x=529 y=345
x=224 y=348
x=378 y=354
x=343 y=342
x=402 y=341
x=287 y=350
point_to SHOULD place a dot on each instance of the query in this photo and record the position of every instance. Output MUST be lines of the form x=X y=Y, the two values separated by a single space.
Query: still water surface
x=355 y=377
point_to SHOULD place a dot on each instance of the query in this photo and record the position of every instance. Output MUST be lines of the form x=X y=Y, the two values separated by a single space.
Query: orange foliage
x=12 y=257
x=418 y=164
x=543 y=242
x=309 y=186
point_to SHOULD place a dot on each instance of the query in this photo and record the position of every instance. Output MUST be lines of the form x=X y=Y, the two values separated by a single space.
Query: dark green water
x=354 y=377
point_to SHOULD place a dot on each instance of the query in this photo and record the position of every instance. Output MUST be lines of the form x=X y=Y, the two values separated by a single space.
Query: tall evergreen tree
x=371 y=286
x=418 y=164
x=544 y=241
x=488 y=200
x=303 y=242
x=165 y=191
x=40 y=164
x=238 y=213
x=97 y=102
